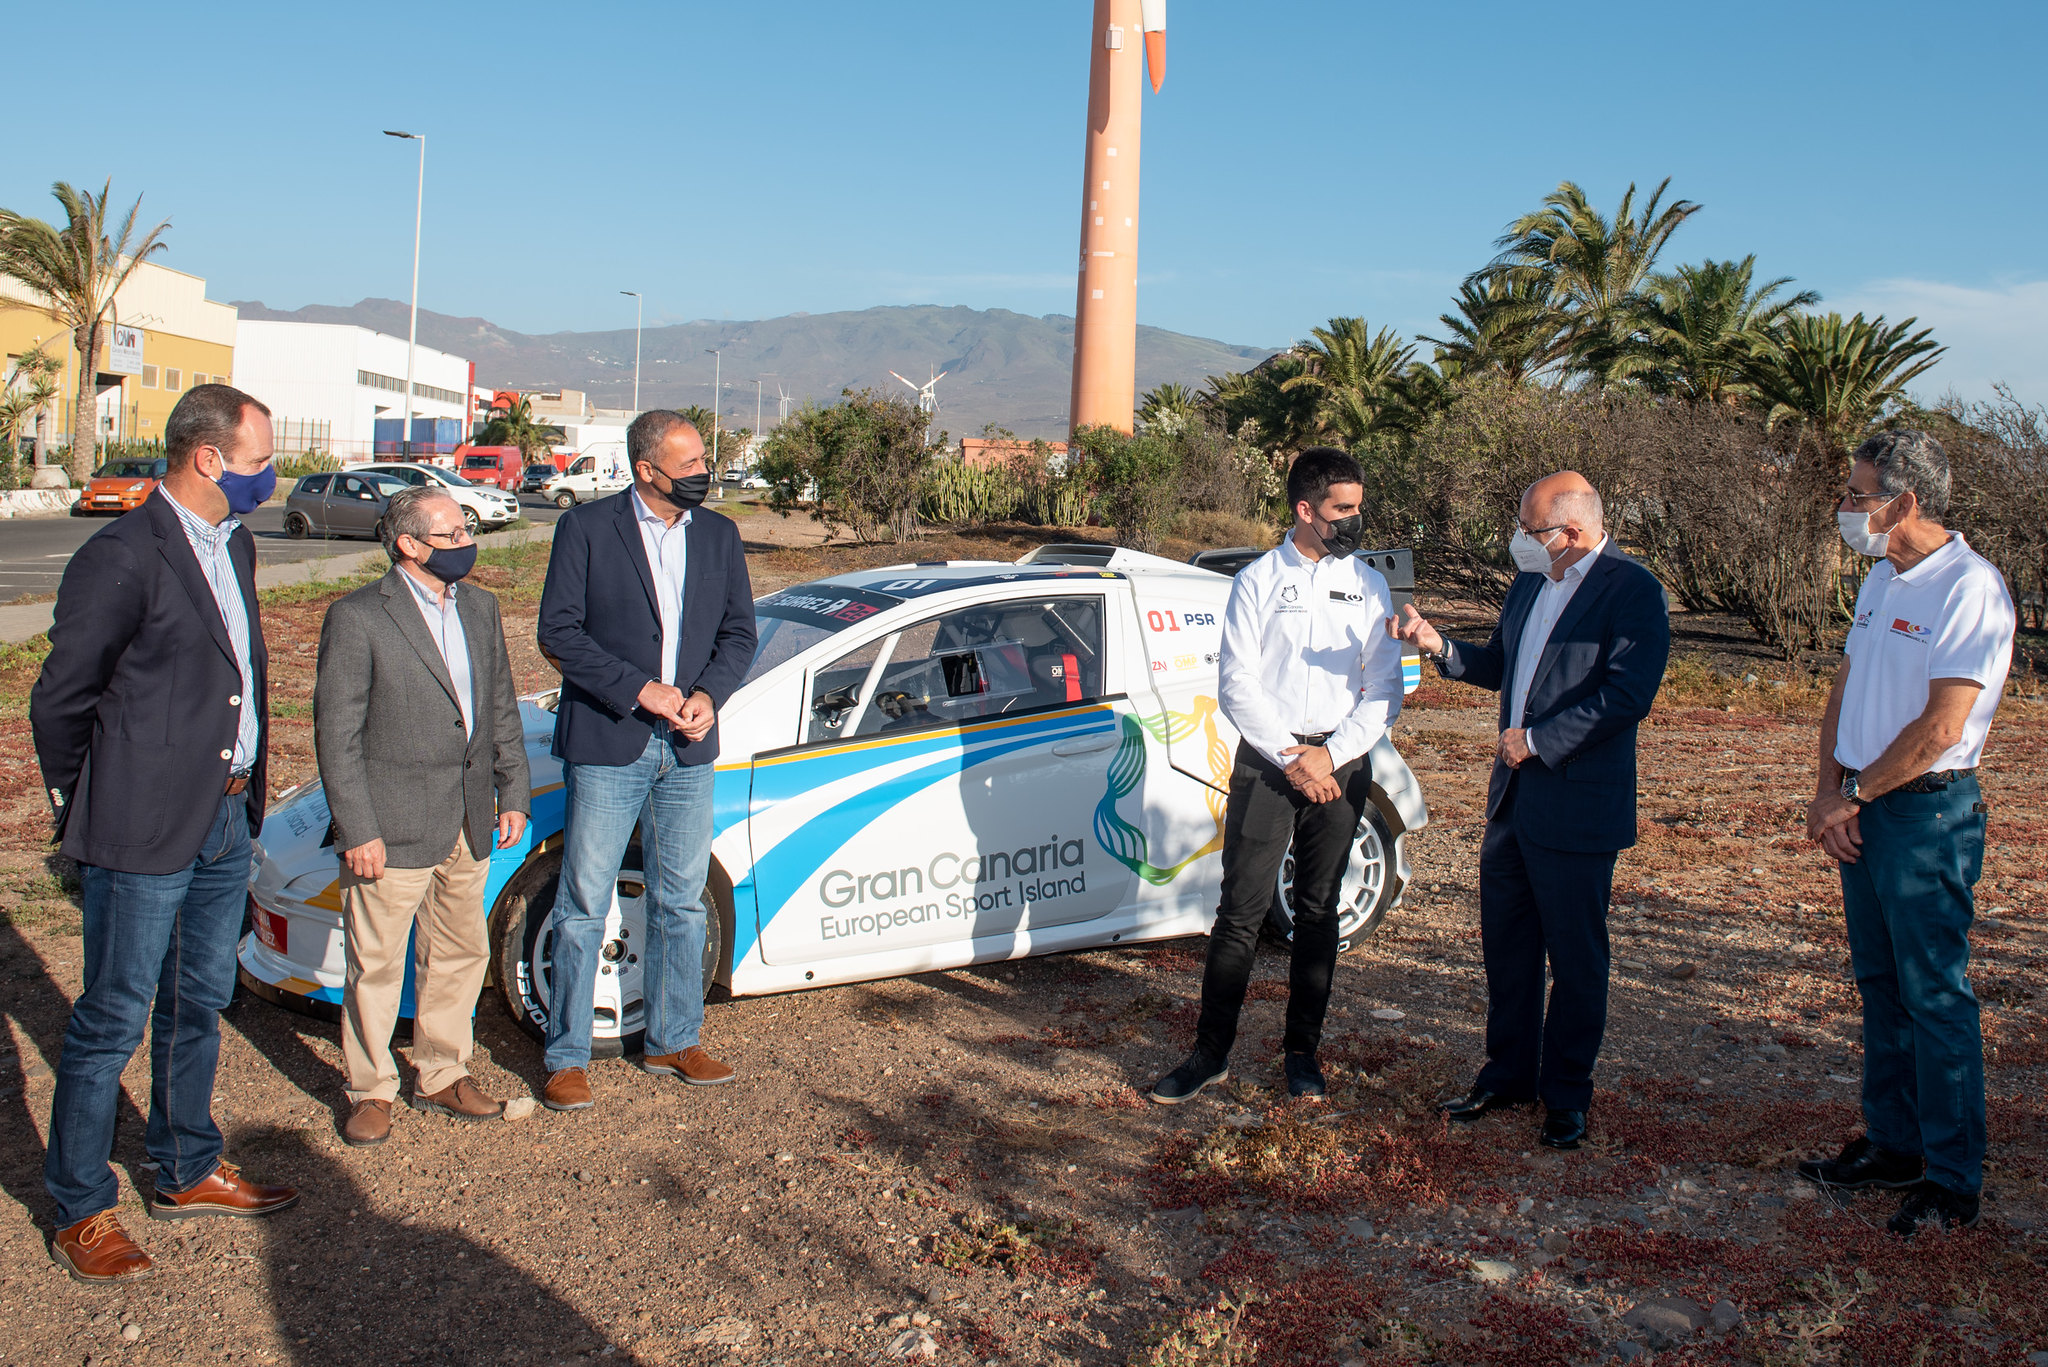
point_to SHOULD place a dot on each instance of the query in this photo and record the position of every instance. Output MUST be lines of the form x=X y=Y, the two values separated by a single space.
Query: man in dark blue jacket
x=649 y=615
x=1577 y=657
x=150 y=720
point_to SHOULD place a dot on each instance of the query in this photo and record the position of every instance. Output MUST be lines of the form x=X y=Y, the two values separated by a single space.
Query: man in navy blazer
x=1577 y=657
x=151 y=720
x=649 y=615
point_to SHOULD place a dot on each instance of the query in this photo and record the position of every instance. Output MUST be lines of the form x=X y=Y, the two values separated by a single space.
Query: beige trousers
x=450 y=953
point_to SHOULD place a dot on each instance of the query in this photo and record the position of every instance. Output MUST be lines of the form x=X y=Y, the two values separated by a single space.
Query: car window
x=788 y=623
x=387 y=484
x=991 y=659
x=837 y=690
x=129 y=469
x=314 y=484
x=352 y=486
x=453 y=480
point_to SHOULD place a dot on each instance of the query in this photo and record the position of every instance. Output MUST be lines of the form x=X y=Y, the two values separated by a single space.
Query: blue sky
x=1304 y=160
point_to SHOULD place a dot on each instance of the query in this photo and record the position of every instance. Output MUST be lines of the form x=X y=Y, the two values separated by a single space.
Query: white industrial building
x=328 y=383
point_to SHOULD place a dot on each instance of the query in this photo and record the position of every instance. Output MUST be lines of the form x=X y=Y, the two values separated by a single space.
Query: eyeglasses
x=460 y=537
x=1542 y=531
x=1880 y=495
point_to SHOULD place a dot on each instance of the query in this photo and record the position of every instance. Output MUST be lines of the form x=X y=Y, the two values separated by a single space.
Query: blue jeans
x=605 y=802
x=164 y=937
x=1909 y=907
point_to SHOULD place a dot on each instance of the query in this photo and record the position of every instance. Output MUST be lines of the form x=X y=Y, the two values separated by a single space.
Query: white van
x=601 y=469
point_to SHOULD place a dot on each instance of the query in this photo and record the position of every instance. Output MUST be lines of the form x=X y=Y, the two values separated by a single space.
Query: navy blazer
x=600 y=625
x=1599 y=672
x=137 y=706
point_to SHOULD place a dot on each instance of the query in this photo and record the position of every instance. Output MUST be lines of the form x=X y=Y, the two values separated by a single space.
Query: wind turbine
x=783 y=402
x=927 y=398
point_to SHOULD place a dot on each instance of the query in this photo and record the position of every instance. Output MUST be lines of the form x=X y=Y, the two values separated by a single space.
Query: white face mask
x=1856 y=531
x=1531 y=556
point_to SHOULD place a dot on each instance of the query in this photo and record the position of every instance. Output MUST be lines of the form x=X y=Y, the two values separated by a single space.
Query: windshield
x=794 y=620
x=130 y=469
x=450 y=477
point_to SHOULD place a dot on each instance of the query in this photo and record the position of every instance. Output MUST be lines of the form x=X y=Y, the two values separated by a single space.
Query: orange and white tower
x=1106 y=303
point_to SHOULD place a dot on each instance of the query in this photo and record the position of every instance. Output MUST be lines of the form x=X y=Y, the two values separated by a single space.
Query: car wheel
x=565 y=501
x=525 y=935
x=1368 y=889
x=469 y=520
x=377 y=532
x=296 y=526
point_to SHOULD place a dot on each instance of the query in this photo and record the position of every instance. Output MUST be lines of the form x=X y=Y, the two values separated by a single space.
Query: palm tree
x=75 y=271
x=1169 y=408
x=1281 y=419
x=1355 y=377
x=1702 y=326
x=1837 y=376
x=33 y=383
x=1595 y=269
x=515 y=426
x=1504 y=326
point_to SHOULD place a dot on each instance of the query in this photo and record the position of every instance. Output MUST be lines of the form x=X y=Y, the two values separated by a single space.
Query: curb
x=21 y=622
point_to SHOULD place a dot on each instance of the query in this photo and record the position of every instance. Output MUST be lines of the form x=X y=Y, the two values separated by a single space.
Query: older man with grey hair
x=1899 y=810
x=423 y=761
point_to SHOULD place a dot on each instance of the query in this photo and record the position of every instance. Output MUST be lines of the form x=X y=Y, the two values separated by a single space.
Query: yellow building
x=184 y=339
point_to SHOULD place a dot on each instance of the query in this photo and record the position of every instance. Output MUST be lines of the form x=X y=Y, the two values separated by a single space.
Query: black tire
x=522 y=913
x=377 y=532
x=296 y=526
x=565 y=501
x=1369 y=886
x=470 y=520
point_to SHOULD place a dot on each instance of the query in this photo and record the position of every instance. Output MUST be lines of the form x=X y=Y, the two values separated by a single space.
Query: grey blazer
x=388 y=730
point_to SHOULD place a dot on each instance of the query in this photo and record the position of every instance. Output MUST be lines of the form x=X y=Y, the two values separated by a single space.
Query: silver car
x=343 y=503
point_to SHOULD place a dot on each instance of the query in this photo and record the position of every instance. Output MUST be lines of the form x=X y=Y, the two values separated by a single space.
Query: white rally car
x=927 y=766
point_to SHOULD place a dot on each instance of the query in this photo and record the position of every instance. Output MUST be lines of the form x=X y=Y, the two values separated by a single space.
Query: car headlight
x=137 y=486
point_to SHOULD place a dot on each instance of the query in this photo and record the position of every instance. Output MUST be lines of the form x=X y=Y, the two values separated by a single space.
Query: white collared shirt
x=1306 y=651
x=1551 y=600
x=668 y=558
x=444 y=624
x=1949 y=617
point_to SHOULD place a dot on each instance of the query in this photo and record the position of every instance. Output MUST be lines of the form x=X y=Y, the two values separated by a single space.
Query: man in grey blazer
x=422 y=756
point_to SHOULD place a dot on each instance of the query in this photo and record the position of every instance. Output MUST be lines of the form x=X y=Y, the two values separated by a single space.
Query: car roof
x=1048 y=564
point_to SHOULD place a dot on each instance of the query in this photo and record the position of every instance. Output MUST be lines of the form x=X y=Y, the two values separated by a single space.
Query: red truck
x=502 y=466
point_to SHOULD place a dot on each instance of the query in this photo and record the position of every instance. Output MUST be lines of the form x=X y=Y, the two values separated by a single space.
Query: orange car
x=119 y=486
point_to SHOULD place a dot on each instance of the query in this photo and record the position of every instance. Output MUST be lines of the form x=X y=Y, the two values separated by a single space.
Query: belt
x=1932 y=782
x=238 y=782
x=1319 y=738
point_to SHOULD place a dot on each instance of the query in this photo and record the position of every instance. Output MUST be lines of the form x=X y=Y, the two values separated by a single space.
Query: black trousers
x=1264 y=815
x=1538 y=904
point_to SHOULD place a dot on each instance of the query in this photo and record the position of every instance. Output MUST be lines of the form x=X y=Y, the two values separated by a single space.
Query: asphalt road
x=34 y=550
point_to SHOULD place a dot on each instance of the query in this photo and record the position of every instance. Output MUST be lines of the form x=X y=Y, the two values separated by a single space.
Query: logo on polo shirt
x=1862 y=620
x=1288 y=593
x=1911 y=632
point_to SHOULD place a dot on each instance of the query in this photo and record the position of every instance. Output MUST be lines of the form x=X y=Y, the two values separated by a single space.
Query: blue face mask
x=247 y=493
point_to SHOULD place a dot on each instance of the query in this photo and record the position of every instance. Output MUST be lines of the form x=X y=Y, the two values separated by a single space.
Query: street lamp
x=412 y=339
x=637 y=304
x=717 y=361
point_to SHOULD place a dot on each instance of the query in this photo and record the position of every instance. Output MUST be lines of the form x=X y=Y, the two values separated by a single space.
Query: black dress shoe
x=1863 y=1164
x=1479 y=1101
x=1932 y=1205
x=1563 y=1129
x=1186 y=1082
x=1304 y=1078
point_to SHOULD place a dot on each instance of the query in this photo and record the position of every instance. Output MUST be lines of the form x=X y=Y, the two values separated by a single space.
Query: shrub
x=1216 y=530
x=866 y=458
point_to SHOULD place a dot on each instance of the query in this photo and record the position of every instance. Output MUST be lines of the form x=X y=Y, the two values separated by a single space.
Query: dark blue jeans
x=1909 y=908
x=167 y=939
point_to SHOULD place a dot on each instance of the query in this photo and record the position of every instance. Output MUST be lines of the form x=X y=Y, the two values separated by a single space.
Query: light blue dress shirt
x=444 y=624
x=210 y=545
x=668 y=556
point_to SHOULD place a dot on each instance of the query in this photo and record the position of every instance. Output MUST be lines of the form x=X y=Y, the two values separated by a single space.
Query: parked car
x=341 y=503
x=501 y=466
x=482 y=507
x=754 y=482
x=927 y=766
x=119 y=486
x=600 y=470
x=536 y=478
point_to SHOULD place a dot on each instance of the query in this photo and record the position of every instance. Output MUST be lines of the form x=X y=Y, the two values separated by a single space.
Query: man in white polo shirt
x=1900 y=812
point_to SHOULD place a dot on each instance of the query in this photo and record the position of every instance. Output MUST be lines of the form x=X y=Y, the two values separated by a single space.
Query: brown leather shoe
x=567 y=1090
x=369 y=1122
x=693 y=1066
x=97 y=1249
x=224 y=1191
x=462 y=1099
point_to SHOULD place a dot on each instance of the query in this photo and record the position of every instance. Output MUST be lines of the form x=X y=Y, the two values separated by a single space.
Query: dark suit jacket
x=599 y=622
x=1596 y=679
x=137 y=707
x=387 y=727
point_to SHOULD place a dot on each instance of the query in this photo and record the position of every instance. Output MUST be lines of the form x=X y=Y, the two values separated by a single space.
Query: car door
x=353 y=506
x=941 y=796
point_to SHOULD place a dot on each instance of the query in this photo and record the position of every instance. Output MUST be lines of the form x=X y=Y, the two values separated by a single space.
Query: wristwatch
x=1849 y=790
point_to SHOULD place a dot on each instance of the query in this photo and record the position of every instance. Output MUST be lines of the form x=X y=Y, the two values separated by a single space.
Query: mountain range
x=1009 y=369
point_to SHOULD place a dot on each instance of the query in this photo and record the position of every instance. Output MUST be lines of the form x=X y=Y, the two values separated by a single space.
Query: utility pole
x=412 y=340
x=636 y=348
x=717 y=361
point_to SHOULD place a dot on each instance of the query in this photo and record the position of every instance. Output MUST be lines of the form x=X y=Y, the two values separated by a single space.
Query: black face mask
x=689 y=491
x=1344 y=535
x=451 y=563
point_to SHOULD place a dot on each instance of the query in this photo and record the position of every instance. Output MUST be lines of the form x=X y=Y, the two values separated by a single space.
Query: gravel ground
x=961 y=1164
